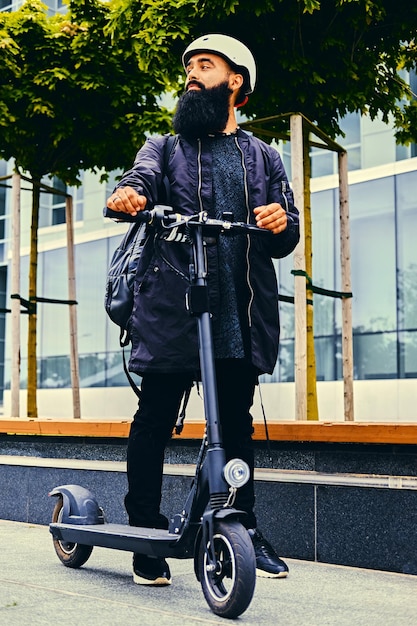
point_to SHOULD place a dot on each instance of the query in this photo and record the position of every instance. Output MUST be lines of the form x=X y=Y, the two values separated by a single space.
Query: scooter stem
x=215 y=451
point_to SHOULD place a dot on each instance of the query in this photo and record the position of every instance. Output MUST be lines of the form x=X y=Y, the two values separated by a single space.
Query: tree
x=70 y=100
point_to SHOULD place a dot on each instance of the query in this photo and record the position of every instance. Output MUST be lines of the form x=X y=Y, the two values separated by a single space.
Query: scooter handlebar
x=163 y=217
x=148 y=215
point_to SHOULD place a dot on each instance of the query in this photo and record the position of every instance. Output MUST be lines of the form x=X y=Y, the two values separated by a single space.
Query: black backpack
x=118 y=300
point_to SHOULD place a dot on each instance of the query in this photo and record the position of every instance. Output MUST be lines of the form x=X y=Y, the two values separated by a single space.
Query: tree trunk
x=312 y=406
x=32 y=408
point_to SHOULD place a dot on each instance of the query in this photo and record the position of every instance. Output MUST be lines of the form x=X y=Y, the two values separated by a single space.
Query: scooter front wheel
x=228 y=585
x=72 y=555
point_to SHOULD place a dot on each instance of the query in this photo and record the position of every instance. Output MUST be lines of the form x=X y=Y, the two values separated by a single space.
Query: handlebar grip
x=119 y=215
x=146 y=215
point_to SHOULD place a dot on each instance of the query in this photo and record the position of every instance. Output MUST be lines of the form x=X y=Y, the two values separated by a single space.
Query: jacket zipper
x=170 y=265
x=200 y=201
x=200 y=177
x=245 y=185
x=284 y=190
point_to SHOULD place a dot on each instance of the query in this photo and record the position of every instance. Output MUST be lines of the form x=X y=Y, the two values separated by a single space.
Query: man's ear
x=235 y=81
x=235 y=84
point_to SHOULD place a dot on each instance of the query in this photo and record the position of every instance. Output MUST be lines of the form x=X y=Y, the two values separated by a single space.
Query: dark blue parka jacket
x=164 y=336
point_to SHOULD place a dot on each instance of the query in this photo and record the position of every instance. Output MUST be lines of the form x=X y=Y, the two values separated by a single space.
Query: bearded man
x=214 y=167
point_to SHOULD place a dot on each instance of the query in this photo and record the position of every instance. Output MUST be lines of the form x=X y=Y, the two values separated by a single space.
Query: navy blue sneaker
x=150 y=570
x=268 y=563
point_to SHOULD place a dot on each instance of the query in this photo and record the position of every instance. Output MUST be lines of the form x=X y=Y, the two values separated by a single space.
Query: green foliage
x=81 y=90
x=159 y=30
x=72 y=97
x=321 y=58
x=325 y=58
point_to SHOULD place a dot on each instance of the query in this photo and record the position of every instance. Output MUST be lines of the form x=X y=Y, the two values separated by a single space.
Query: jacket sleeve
x=280 y=191
x=146 y=174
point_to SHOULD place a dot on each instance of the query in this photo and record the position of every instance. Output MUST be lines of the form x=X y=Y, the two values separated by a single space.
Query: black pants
x=152 y=427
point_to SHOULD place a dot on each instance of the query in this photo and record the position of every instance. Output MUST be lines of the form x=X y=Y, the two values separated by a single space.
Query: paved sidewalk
x=36 y=589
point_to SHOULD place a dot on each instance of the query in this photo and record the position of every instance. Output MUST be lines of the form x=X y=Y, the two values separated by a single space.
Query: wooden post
x=300 y=311
x=75 y=376
x=15 y=303
x=347 y=340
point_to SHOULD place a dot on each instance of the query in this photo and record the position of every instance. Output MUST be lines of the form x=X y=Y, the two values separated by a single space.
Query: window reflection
x=408 y=351
x=373 y=262
x=407 y=250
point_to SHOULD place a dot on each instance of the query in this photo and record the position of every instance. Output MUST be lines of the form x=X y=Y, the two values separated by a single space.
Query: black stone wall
x=347 y=525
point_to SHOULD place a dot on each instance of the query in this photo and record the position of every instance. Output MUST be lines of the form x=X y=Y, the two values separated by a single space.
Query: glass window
x=91 y=263
x=115 y=375
x=373 y=261
x=91 y=267
x=375 y=355
x=408 y=345
x=96 y=332
x=3 y=172
x=354 y=158
x=93 y=369
x=24 y=292
x=323 y=227
x=351 y=127
x=402 y=152
x=322 y=162
x=327 y=357
x=407 y=249
x=284 y=370
x=58 y=202
x=54 y=372
x=3 y=217
x=285 y=279
x=53 y=319
x=52 y=205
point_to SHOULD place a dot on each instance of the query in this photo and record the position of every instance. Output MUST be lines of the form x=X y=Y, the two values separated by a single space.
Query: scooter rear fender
x=79 y=505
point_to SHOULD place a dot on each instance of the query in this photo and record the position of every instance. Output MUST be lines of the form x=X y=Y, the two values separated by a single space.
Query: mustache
x=195 y=82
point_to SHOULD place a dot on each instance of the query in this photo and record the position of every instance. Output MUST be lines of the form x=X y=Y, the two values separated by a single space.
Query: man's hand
x=126 y=200
x=272 y=217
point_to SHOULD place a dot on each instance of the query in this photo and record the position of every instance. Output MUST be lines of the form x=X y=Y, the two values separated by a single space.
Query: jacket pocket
x=163 y=333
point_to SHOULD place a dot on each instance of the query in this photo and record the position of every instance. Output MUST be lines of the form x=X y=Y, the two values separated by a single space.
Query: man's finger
x=126 y=200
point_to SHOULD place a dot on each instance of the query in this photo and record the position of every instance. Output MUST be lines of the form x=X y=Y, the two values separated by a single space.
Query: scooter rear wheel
x=228 y=588
x=72 y=555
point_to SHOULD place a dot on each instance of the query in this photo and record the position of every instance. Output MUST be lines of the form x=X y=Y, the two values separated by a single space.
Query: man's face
x=206 y=70
x=205 y=105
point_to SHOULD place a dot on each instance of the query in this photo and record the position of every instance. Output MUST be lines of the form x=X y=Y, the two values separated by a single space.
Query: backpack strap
x=132 y=383
x=169 y=147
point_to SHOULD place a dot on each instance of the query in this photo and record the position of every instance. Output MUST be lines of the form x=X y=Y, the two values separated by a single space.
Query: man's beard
x=201 y=112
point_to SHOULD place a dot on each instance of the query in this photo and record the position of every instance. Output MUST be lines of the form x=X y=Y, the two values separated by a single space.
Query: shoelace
x=262 y=545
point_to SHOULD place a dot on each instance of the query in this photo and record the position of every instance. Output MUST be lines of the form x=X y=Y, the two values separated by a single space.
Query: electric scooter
x=208 y=529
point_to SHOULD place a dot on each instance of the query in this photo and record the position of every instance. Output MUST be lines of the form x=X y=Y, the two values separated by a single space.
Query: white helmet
x=233 y=51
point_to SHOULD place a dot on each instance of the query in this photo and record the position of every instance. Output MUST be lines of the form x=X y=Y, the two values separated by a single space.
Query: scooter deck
x=150 y=541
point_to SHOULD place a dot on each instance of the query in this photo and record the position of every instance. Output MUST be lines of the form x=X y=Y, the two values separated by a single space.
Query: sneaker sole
x=158 y=582
x=261 y=573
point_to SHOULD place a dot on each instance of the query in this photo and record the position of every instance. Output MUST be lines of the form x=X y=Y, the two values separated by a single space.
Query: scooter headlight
x=236 y=473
